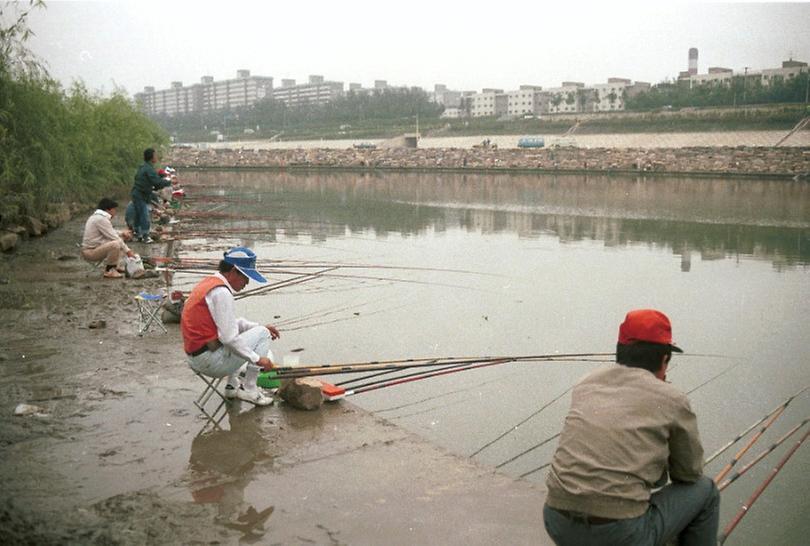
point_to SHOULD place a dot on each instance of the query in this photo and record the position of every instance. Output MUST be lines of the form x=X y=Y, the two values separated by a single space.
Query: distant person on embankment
x=626 y=429
x=146 y=181
x=219 y=344
x=101 y=242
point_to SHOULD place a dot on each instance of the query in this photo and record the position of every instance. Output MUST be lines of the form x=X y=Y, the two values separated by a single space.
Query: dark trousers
x=141 y=217
x=689 y=512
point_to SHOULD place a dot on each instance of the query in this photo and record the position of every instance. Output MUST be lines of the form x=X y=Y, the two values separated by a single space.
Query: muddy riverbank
x=786 y=162
x=114 y=456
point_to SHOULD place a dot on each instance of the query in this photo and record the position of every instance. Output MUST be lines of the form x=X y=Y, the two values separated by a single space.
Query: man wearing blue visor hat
x=216 y=341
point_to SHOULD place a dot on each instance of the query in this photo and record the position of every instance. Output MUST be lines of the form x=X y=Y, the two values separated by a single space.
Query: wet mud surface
x=116 y=452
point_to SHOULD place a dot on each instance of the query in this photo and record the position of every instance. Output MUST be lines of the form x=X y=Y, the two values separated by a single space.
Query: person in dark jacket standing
x=626 y=432
x=146 y=181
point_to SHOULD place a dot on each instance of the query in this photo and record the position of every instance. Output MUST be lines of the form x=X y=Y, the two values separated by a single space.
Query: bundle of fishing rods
x=724 y=477
x=372 y=375
x=388 y=373
x=301 y=271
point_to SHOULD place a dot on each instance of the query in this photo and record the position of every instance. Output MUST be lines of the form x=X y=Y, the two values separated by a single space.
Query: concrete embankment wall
x=723 y=161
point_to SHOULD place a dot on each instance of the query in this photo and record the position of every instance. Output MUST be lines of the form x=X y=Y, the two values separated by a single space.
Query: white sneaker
x=254 y=397
x=230 y=391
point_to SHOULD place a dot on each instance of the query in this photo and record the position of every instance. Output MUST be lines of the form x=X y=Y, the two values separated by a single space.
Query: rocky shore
x=30 y=226
x=785 y=162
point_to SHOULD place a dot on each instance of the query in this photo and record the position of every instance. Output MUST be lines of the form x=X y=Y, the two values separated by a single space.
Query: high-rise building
x=315 y=92
x=206 y=96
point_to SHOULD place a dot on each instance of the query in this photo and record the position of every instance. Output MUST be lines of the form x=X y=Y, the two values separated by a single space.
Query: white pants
x=223 y=362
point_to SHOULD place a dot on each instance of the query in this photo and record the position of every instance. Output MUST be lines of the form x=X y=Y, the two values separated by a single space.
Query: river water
x=541 y=264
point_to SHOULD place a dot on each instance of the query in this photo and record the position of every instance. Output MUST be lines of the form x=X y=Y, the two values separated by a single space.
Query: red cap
x=161 y=172
x=646 y=325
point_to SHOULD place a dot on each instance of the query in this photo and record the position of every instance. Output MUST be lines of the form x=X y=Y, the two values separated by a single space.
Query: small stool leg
x=211 y=388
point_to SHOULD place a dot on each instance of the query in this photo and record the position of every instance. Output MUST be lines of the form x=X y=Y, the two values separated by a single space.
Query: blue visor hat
x=243 y=259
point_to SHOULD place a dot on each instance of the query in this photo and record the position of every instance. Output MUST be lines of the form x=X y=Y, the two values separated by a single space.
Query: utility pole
x=745 y=79
x=807 y=88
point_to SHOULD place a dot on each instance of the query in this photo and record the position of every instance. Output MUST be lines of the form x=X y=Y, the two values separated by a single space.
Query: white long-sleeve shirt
x=221 y=306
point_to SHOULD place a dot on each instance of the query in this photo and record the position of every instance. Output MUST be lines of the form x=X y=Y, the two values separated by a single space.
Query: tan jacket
x=625 y=429
x=99 y=230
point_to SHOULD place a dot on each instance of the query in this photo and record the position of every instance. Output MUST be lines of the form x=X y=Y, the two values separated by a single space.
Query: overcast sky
x=466 y=45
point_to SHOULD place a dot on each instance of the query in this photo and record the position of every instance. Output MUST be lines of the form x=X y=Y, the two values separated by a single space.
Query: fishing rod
x=417 y=376
x=712 y=378
x=426 y=376
x=282 y=264
x=290 y=371
x=355 y=316
x=280 y=284
x=391 y=381
x=452 y=359
x=512 y=429
x=384 y=372
x=365 y=277
x=762 y=455
x=321 y=313
x=370 y=376
x=328 y=370
x=742 y=435
x=729 y=465
x=542 y=466
x=745 y=508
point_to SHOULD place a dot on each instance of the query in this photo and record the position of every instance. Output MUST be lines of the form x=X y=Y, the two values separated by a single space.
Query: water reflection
x=222 y=462
x=763 y=219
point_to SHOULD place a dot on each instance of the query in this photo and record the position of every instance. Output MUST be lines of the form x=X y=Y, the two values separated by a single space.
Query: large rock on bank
x=34 y=226
x=302 y=393
x=8 y=240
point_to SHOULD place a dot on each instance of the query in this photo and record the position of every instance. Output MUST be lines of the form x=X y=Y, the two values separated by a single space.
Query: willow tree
x=59 y=146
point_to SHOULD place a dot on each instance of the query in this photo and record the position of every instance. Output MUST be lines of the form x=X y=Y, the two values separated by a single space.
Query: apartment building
x=524 y=101
x=566 y=98
x=206 y=96
x=446 y=97
x=790 y=69
x=316 y=91
x=570 y=97
x=716 y=75
x=723 y=76
x=489 y=102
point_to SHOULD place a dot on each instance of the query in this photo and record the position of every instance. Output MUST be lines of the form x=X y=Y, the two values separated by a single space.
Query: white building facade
x=315 y=92
x=206 y=96
x=524 y=101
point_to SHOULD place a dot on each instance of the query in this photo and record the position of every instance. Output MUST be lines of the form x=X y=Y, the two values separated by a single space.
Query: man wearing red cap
x=626 y=432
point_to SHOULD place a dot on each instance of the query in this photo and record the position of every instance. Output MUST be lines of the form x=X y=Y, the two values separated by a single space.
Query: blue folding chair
x=149 y=306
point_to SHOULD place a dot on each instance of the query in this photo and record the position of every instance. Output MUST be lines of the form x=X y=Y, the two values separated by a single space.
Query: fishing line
x=514 y=428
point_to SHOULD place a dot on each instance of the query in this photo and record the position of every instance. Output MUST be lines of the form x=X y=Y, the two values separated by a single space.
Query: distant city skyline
x=134 y=45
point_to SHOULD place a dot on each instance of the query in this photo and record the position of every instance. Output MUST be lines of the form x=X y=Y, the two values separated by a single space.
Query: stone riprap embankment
x=787 y=162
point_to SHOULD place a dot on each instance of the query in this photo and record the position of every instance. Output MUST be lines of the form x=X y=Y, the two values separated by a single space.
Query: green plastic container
x=268 y=380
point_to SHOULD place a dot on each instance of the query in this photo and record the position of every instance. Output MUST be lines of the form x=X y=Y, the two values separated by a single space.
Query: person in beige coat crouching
x=101 y=242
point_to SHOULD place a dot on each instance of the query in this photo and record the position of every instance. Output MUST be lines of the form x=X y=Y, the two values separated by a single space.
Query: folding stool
x=211 y=388
x=149 y=307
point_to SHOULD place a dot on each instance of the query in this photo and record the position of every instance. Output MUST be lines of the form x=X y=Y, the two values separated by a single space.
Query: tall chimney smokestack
x=693 y=58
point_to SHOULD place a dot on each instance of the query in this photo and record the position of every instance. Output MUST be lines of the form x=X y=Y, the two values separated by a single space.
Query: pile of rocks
x=55 y=216
x=788 y=161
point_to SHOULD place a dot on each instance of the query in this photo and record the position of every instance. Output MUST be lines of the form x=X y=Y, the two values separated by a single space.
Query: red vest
x=197 y=324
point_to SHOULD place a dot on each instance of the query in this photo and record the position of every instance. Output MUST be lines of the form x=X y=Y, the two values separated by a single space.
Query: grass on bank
x=772 y=117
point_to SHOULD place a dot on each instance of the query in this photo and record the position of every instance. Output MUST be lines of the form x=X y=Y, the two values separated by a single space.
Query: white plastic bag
x=134 y=267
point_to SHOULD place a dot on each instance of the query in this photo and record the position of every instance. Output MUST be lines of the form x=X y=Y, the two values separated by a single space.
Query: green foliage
x=61 y=145
x=738 y=91
x=350 y=116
